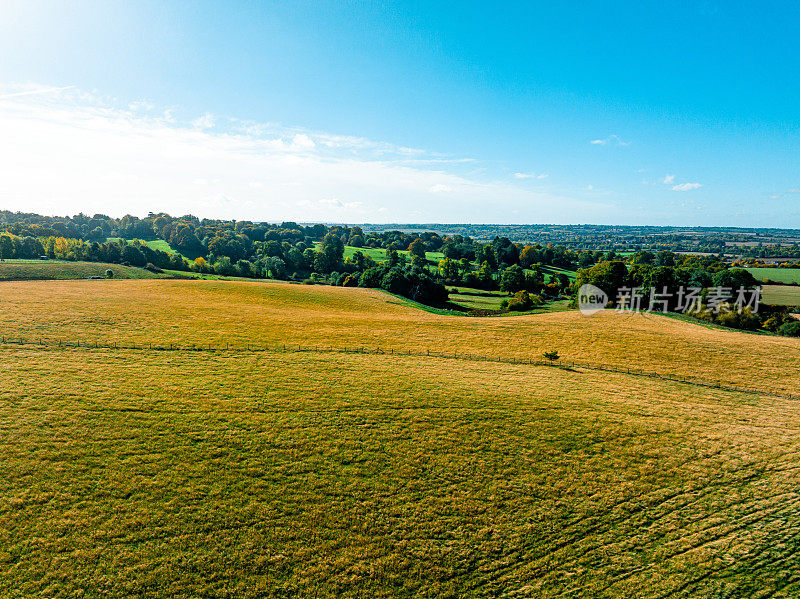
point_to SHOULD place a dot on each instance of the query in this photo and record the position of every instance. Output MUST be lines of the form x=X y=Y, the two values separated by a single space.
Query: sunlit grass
x=62 y=269
x=783 y=275
x=240 y=313
x=781 y=295
x=146 y=473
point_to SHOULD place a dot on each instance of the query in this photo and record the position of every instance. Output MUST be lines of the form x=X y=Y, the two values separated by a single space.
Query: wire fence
x=363 y=349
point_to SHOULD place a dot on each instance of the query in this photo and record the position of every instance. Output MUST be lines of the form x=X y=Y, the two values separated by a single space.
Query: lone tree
x=417 y=248
x=551 y=355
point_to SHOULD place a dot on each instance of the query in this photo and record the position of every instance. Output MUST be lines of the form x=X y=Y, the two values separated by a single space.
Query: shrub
x=152 y=267
x=309 y=282
x=395 y=281
x=427 y=291
x=551 y=355
x=371 y=277
x=790 y=329
x=350 y=281
x=520 y=302
x=740 y=319
x=109 y=274
x=774 y=322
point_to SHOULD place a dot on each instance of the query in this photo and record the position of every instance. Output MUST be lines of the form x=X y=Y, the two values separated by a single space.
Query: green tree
x=608 y=276
x=392 y=257
x=734 y=278
x=449 y=269
x=396 y=282
x=521 y=301
x=486 y=275
x=417 y=248
x=512 y=279
x=6 y=247
x=330 y=255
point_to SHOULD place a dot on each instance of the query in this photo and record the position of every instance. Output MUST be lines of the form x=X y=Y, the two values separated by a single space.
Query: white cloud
x=206 y=121
x=66 y=151
x=142 y=105
x=611 y=139
x=668 y=179
x=795 y=190
x=34 y=92
x=530 y=176
x=686 y=186
x=301 y=141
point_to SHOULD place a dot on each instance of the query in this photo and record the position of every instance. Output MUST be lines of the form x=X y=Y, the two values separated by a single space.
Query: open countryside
x=408 y=300
x=519 y=472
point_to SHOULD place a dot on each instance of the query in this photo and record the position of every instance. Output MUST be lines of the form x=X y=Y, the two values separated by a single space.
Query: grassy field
x=379 y=254
x=781 y=275
x=61 y=269
x=477 y=299
x=157 y=244
x=220 y=474
x=264 y=312
x=781 y=295
x=554 y=270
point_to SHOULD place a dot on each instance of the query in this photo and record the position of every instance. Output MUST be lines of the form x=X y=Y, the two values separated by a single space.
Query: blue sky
x=658 y=113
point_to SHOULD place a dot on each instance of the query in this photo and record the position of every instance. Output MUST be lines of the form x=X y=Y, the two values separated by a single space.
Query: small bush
x=740 y=319
x=309 y=282
x=551 y=355
x=152 y=268
x=109 y=274
x=520 y=302
x=790 y=329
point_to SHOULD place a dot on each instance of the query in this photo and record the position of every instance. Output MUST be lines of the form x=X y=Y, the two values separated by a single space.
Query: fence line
x=362 y=349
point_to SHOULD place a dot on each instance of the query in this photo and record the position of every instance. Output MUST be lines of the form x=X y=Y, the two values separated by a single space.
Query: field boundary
x=363 y=349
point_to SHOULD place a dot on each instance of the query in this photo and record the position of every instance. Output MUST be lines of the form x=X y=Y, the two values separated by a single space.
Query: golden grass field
x=234 y=474
x=273 y=313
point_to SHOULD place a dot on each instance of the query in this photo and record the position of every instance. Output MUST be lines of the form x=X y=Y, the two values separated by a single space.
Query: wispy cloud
x=686 y=186
x=35 y=92
x=611 y=139
x=530 y=176
x=668 y=179
x=68 y=151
